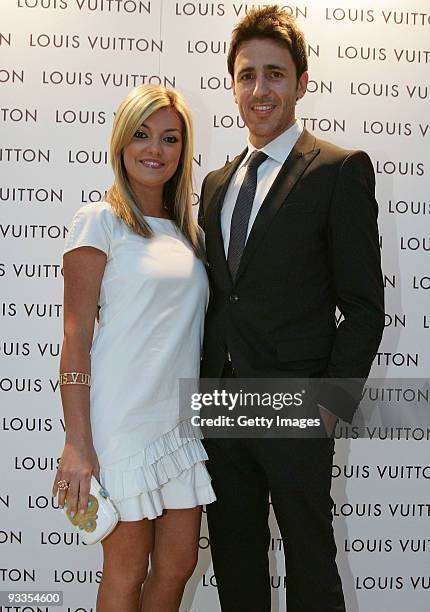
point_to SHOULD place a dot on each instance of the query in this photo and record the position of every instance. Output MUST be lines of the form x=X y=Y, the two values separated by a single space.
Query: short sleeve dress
x=153 y=298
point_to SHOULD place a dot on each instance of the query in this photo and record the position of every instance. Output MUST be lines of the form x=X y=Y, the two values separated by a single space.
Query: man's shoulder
x=218 y=177
x=215 y=175
x=332 y=150
x=336 y=154
x=219 y=173
x=336 y=161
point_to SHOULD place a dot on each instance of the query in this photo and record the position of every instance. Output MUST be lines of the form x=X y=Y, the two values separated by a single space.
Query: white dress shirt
x=277 y=151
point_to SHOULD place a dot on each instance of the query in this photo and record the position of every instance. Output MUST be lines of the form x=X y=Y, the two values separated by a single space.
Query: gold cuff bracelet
x=74 y=378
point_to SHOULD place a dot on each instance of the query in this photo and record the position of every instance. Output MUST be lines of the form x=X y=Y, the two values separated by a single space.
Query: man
x=290 y=235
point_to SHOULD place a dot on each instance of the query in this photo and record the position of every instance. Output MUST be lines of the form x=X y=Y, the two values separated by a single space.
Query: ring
x=63 y=485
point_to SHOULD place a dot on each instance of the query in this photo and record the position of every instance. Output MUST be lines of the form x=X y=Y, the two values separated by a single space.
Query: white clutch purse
x=99 y=520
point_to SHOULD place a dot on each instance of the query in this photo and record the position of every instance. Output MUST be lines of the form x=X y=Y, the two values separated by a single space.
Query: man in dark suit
x=291 y=234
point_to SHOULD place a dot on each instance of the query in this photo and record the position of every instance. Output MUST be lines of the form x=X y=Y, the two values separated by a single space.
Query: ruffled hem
x=164 y=459
x=192 y=488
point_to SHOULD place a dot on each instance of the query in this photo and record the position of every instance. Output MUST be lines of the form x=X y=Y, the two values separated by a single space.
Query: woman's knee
x=126 y=554
x=178 y=569
x=127 y=572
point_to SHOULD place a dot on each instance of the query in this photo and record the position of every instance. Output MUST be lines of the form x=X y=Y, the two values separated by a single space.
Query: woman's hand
x=76 y=466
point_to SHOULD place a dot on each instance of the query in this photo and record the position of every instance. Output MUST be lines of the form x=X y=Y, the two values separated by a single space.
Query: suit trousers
x=297 y=475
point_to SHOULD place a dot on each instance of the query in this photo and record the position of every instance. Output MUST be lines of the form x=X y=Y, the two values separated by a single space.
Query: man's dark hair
x=273 y=23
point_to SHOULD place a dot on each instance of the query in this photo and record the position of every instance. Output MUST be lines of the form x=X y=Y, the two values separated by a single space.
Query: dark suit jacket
x=314 y=245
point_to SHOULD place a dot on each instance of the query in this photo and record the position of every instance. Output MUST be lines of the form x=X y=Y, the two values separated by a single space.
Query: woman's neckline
x=161 y=218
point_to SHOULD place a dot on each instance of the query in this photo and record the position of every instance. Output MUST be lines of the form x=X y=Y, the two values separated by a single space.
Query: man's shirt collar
x=279 y=148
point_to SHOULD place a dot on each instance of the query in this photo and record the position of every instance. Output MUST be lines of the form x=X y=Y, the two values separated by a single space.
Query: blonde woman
x=137 y=258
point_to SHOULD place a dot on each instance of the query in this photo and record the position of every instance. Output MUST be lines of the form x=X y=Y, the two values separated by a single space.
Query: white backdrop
x=64 y=67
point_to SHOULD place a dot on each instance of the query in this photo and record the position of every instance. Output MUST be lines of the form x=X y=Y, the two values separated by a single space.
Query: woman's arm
x=83 y=271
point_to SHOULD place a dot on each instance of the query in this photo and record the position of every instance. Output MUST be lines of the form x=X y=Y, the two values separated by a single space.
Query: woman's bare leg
x=125 y=566
x=173 y=559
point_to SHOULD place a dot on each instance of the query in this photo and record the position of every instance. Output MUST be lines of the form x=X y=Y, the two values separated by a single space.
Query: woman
x=137 y=258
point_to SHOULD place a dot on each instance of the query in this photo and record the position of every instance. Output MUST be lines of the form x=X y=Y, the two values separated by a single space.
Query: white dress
x=153 y=298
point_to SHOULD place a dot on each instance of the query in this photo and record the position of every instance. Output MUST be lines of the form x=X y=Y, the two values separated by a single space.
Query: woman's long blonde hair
x=136 y=107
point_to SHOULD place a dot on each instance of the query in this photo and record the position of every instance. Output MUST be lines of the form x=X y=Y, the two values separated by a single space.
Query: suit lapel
x=296 y=163
x=214 y=239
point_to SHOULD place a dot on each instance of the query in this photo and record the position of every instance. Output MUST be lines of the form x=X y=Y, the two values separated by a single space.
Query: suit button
x=234 y=298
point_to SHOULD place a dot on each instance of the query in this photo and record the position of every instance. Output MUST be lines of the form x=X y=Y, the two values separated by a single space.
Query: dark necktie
x=242 y=212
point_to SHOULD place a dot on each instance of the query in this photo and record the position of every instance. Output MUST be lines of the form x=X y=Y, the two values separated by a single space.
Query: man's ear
x=302 y=85
x=233 y=87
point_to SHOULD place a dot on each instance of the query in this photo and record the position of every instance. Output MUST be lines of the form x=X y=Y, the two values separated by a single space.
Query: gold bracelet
x=74 y=378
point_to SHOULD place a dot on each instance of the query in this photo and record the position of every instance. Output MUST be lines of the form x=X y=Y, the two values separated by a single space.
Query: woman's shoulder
x=94 y=210
x=93 y=224
x=95 y=213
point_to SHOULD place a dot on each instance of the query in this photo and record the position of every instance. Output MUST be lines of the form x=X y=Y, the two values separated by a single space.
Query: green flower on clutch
x=87 y=521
